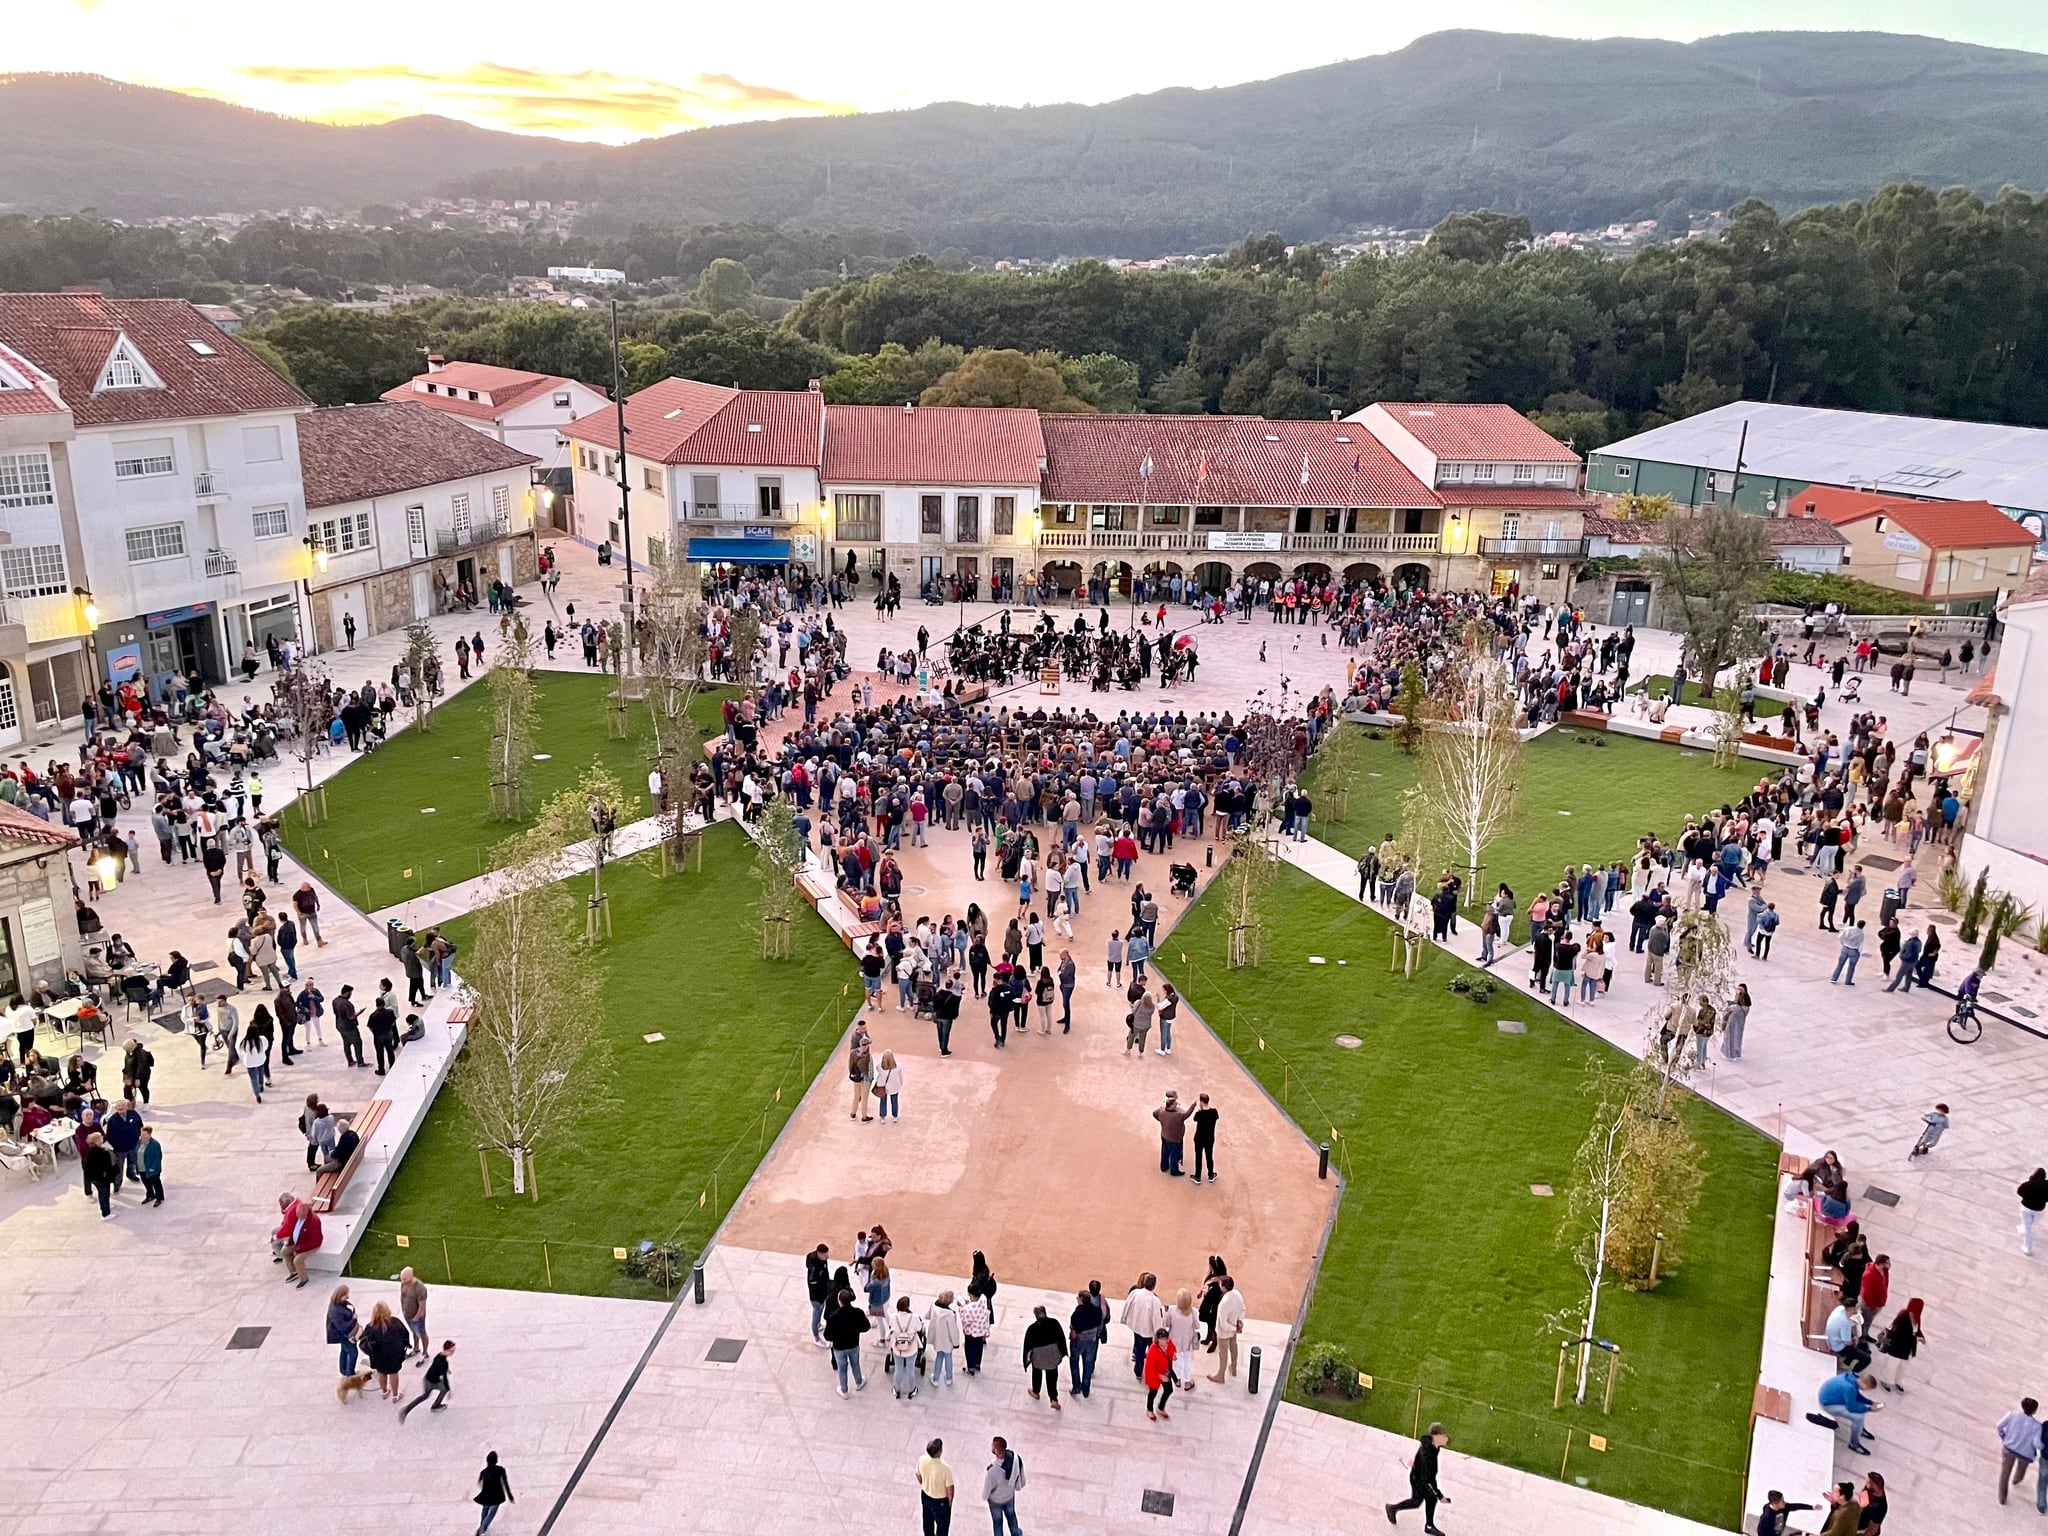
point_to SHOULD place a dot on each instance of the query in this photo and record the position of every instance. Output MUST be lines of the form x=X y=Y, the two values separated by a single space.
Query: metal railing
x=1290 y=543
x=448 y=540
x=209 y=485
x=1549 y=549
x=737 y=512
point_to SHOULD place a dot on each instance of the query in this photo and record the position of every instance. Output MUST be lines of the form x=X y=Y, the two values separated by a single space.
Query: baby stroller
x=1852 y=688
x=1184 y=877
x=925 y=991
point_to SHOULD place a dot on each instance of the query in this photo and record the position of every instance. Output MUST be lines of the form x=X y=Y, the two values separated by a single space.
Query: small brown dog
x=352 y=1386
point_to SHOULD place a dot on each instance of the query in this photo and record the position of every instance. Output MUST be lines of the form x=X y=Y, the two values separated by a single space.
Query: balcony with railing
x=448 y=541
x=209 y=485
x=1537 y=549
x=738 y=512
x=1231 y=542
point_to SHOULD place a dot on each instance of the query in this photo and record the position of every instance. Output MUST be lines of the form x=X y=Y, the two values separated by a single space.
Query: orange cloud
x=586 y=104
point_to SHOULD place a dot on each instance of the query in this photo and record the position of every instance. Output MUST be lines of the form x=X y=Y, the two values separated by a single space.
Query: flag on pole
x=1202 y=469
x=1358 y=463
x=1145 y=469
x=1304 y=471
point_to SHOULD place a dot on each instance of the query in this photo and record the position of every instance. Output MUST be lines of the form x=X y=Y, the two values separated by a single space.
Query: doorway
x=1631 y=603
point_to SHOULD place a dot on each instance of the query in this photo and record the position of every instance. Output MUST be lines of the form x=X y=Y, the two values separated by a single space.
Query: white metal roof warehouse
x=1790 y=447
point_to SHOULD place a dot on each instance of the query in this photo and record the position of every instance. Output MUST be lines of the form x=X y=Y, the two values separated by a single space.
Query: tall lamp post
x=316 y=553
x=90 y=612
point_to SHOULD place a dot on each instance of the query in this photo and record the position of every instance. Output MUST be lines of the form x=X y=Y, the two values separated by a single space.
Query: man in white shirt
x=1229 y=1324
x=1144 y=1314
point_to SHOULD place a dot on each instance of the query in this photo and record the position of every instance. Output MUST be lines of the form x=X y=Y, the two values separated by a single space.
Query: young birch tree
x=673 y=650
x=531 y=1062
x=515 y=701
x=308 y=699
x=1249 y=871
x=778 y=857
x=1472 y=761
x=590 y=813
x=423 y=662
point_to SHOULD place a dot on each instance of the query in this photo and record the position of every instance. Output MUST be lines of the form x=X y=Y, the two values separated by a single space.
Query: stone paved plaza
x=612 y=1418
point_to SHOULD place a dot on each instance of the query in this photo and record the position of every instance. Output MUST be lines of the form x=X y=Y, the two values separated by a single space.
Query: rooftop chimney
x=909 y=406
x=817 y=386
x=436 y=362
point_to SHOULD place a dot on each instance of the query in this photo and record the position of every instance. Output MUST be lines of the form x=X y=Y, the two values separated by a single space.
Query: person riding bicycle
x=1966 y=993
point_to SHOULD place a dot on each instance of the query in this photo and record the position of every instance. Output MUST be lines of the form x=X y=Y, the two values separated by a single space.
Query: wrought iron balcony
x=209 y=485
x=1546 y=549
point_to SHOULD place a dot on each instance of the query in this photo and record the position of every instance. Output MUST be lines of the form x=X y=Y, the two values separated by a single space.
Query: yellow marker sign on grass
x=619 y=1254
x=1365 y=1381
x=404 y=1241
x=1596 y=1442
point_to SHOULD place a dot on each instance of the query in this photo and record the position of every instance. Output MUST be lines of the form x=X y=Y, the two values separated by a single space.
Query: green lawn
x=1658 y=682
x=684 y=961
x=379 y=842
x=1615 y=789
x=1443 y=1270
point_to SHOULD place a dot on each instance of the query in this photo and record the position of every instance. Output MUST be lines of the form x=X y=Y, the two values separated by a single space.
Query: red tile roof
x=37 y=394
x=680 y=421
x=1937 y=524
x=502 y=388
x=1465 y=433
x=2033 y=590
x=1535 y=497
x=349 y=452
x=935 y=444
x=1223 y=461
x=71 y=335
x=19 y=826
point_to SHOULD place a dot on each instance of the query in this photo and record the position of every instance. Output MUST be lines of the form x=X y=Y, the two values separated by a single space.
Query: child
x=1937 y=1123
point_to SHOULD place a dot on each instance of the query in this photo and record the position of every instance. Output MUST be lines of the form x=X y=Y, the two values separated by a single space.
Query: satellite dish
x=1771 y=505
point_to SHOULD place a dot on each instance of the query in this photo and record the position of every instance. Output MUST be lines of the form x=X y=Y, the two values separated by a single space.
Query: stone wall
x=387 y=595
x=29 y=872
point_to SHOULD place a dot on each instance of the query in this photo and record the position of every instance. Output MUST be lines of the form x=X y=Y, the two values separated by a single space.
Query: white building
x=42 y=622
x=731 y=474
x=521 y=409
x=409 y=508
x=944 y=497
x=2007 y=822
x=184 y=474
x=606 y=276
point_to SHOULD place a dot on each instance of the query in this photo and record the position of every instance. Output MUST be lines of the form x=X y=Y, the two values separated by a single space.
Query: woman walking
x=387 y=1342
x=1116 y=957
x=1159 y=1376
x=1044 y=991
x=1183 y=1328
x=1045 y=1346
x=1034 y=942
x=903 y=1337
x=342 y=1328
x=493 y=1491
x=1902 y=1341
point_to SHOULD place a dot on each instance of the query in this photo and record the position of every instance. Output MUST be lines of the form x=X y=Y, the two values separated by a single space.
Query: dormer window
x=123 y=372
x=472 y=394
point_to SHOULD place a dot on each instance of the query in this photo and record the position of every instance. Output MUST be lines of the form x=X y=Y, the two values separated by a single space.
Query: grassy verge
x=1444 y=1278
x=414 y=816
x=1584 y=797
x=690 y=1115
x=1660 y=683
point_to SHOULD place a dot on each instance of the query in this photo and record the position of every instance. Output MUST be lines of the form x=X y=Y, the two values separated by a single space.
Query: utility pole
x=1735 y=480
x=625 y=486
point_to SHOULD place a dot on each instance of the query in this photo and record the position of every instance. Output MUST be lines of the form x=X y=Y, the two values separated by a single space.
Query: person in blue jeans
x=1000 y=1486
x=1086 y=1328
x=1847 y=956
x=1841 y=1397
x=844 y=1324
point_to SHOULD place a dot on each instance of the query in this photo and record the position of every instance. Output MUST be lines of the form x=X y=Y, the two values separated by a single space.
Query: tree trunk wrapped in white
x=1472 y=760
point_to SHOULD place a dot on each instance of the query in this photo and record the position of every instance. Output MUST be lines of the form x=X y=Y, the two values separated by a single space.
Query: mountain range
x=1570 y=133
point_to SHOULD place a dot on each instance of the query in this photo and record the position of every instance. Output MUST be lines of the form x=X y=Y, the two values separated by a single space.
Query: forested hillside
x=1912 y=301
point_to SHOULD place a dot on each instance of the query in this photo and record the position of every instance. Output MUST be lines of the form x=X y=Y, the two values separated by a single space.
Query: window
x=2012 y=566
x=768 y=494
x=1713 y=483
x=271 y=522
x=1005 y=515
x=1623 y=471
x=416 y=530
x=10 y=714
x=967 y=519
x=33 y=570
x=1911 y=568
x=342 y=535
x=1450 y=474
x=704 y=495
x=25 y=480
x=1208 y=517
x=1483 y=473
x=123 y=372
x=857 y=516
x=1166 y=517
x=931 y=512
x=144 y=457
x=458 y=508
x=472 y=394
x=261 y=445
x=561 y=399
x=1525 y=472
x=650 y=480
x=202 y=348
x=1549 y=570
x=164 y=541
x=1554 y=473
x=609 y=465
x=1510 y=526
x=501 y=507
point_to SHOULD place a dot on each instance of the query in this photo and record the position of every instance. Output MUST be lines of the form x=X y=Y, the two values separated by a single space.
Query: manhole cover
x=1156 y=1503
x=1996 y=997
x=1541 y=1191
x=248 y=1338
x=2025 y=1013
x=1511 y=1026
x=1878 y=1196
x=916 y=890
x=1349 y=1042
x=725 y=1351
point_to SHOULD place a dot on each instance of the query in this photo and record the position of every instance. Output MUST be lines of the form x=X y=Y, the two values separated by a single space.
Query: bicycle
x=1964 y=1027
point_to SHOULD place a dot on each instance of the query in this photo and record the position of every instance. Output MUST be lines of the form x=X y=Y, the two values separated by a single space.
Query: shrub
x=1326 y=1371
x=659 y=1264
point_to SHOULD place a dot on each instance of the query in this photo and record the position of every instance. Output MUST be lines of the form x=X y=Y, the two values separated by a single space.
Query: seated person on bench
x=344 y=1148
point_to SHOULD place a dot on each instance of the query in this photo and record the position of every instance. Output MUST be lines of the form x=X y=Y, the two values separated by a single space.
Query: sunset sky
x=632 y=68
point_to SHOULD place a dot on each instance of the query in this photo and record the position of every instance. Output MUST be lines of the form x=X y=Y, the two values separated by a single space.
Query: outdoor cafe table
x=57 y=1135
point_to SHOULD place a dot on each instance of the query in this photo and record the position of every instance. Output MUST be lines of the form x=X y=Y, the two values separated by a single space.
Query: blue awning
x=740 y=551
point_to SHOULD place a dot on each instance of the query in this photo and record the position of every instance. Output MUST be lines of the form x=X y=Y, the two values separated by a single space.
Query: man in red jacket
x=1877 y=1285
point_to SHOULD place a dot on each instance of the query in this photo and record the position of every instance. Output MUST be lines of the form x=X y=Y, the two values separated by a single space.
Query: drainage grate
x=1879 y=861
x=201 y=967
x=1156 y=1503
x=248 y=1338
x=1996 y=997
x=2025 y=1013
x=1511 y=1026
x=725 y=1351
x=1878 y=1196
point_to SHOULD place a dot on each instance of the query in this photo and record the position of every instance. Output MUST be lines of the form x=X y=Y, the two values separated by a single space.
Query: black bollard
x=1210 y=853
x=697 y=1282
x=1251 y=1380
x=1323 y=1161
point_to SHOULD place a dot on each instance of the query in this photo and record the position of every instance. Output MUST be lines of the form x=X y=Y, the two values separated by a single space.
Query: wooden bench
x=330 y=1187
x=1587 y=719
x=1771 y=1403
x=1823 y=1280
x=857 y=929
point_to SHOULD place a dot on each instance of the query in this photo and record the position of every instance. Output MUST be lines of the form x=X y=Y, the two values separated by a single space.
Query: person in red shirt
x=1159 y=1375
x=1876 y=1287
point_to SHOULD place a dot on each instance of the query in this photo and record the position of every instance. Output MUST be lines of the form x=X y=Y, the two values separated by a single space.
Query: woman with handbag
x=904 y=1337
